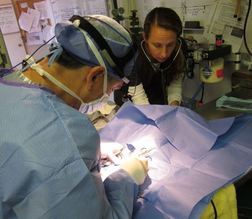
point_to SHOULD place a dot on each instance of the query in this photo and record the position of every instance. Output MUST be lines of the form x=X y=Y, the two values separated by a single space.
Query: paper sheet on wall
x=224 y=23
x=187 y=10
x=193 y=3
x=47 y=32
x=42 y=8
x=203 y=14
x=35 y=38
x=8 y=22
x=36 y=27
x=144 y=6
x=25 y=21
x=100 y=7
x=62 y=11
x=147 y=5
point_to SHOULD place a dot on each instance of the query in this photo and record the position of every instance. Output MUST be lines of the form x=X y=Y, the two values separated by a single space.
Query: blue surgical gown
x=49 y=161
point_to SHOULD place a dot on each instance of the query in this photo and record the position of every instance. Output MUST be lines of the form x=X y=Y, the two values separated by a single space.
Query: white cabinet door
x=15 y=47
x=11 y=33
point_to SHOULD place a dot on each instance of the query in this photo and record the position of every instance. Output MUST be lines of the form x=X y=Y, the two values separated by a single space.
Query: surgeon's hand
x=111 y=151
x=137 y=168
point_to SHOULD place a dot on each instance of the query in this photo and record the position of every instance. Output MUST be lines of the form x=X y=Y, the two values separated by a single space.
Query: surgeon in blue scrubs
x=49 y=151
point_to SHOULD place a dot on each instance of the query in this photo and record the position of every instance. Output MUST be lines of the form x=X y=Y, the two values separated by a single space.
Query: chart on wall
x=8 y=22
x=201 y=10
x=62 y=10
x=229 y=24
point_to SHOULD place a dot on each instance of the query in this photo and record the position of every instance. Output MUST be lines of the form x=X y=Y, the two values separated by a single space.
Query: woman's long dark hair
x=163 y=17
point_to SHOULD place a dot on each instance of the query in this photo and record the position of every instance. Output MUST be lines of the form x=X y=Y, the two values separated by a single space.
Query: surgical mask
x=91 y=107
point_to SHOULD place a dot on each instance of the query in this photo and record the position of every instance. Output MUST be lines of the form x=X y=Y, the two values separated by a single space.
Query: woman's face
x=160 y=43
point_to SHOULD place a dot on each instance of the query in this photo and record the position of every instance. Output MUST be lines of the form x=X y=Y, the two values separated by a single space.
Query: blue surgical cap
x=71 y=38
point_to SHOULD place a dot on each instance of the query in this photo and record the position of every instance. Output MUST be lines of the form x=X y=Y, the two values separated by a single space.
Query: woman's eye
x=157 y=45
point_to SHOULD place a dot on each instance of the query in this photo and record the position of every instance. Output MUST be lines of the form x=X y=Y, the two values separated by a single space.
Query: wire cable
x=214 y=208
x=244 y=29
x=202 y=92
x=197 y=91
x=32 y=53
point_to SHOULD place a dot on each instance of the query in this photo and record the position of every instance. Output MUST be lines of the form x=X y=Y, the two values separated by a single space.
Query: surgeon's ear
x=94 y=75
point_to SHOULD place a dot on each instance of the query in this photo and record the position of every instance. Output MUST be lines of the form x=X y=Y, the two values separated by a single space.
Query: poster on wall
x=34 y=21
x=95 y=7
x=62 y=11
x=8 y=22
x=226 y=24
x=187 y=10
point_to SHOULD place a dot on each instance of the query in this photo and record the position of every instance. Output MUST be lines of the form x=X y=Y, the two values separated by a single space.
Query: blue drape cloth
x=190 y=157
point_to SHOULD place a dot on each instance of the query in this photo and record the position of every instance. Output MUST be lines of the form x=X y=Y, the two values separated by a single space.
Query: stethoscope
x=156 y=66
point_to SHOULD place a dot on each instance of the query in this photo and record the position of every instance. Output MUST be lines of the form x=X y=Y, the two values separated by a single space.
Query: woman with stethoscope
x=159 y=68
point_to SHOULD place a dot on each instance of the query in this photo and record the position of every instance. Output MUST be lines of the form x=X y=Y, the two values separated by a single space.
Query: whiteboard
x=8 y=22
